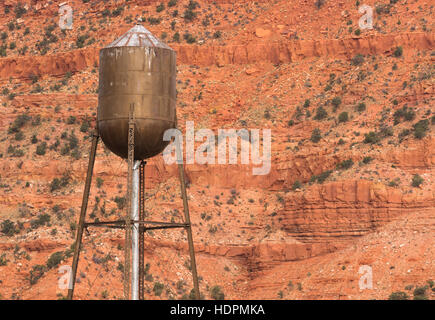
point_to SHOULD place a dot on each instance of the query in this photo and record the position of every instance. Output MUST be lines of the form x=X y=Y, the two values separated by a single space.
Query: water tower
x=136 y=105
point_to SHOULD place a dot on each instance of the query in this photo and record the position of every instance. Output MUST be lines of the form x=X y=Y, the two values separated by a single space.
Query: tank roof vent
x=138 y=36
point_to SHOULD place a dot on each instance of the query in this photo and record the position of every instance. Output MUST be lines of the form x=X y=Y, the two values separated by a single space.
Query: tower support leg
x=189 y=231
x=128 y=233
x=80 y=227
x=135 y=233
x=141 y=231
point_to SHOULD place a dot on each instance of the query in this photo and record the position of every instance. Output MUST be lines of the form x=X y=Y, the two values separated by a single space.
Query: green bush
x=405 y=113
x=55 y=259
x=189 y=38
x=417 y=180
x=357 y=60
x=336 y=102
x=320 y=114
x=343 y=117
x=398 y=52
x=316 y=135
x=216 y=293
x=154 y=21
x=346 y=164
x=158 y=288
x=58 y=183
x=8 y=228
x=421 y=128
x=296 y=185
x=321 y=177
x=36 y=273
x=18 y=123
x=372 y=137
x=176 y=37
x=160 y=7
x=120 y=202
x=398 y=295
x=42 y=220
x=367 y=160
x=41 y=149
x=420 y=293
x=3 y=260
x=117 y=12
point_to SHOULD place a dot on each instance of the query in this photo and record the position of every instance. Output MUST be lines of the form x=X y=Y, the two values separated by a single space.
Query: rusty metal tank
x=137 y=68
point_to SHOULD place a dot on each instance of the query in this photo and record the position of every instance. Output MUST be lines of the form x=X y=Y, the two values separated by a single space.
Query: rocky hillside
x=352 y=114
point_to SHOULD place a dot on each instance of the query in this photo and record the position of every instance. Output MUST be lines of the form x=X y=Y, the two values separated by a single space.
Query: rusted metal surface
x=189 y=231
x=137 y=68
x=84 y=207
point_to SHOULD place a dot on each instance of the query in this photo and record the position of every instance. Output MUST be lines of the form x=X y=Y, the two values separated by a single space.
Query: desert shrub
x=19 y=10
x=357 y=60
x=172 y=3
x=58 y=183
x=296 y=185
x=316 y=135
x=372 y=137
x=189 y=38
x=321 y=177
x=80 y=42
x=160 y=7
x=19 y=136
x=343 y=117
x=8 y=228
x=41 y=149
x=398 y=52
x=189 y=15
x=420 y=293
x=345 y=164
x=34 y=139
x=3 y=260
x=398 y=295
x=99 y=182
x=176 y=37
x=217 y=34
x=120 y=202
x=216 y=293
x=42 y=220
x=154 y=21
x=158 y=288
x=367 y=160
x=36 y=273
x=319 y=3
x=320 y=114
x=417 y=180
x=404 y=113
x=15 y=151
x=404 y=133
x=117 y=12
x=336 y=102
x=307 y=103
x=420 y=128
x=18 y=123
x=85 y=126
x=55 y=259
x=71 y=120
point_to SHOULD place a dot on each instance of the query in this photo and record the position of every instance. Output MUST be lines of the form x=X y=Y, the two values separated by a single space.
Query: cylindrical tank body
x=138 y=69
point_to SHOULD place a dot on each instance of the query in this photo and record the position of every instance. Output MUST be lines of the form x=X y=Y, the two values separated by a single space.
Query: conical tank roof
x=138 y=36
